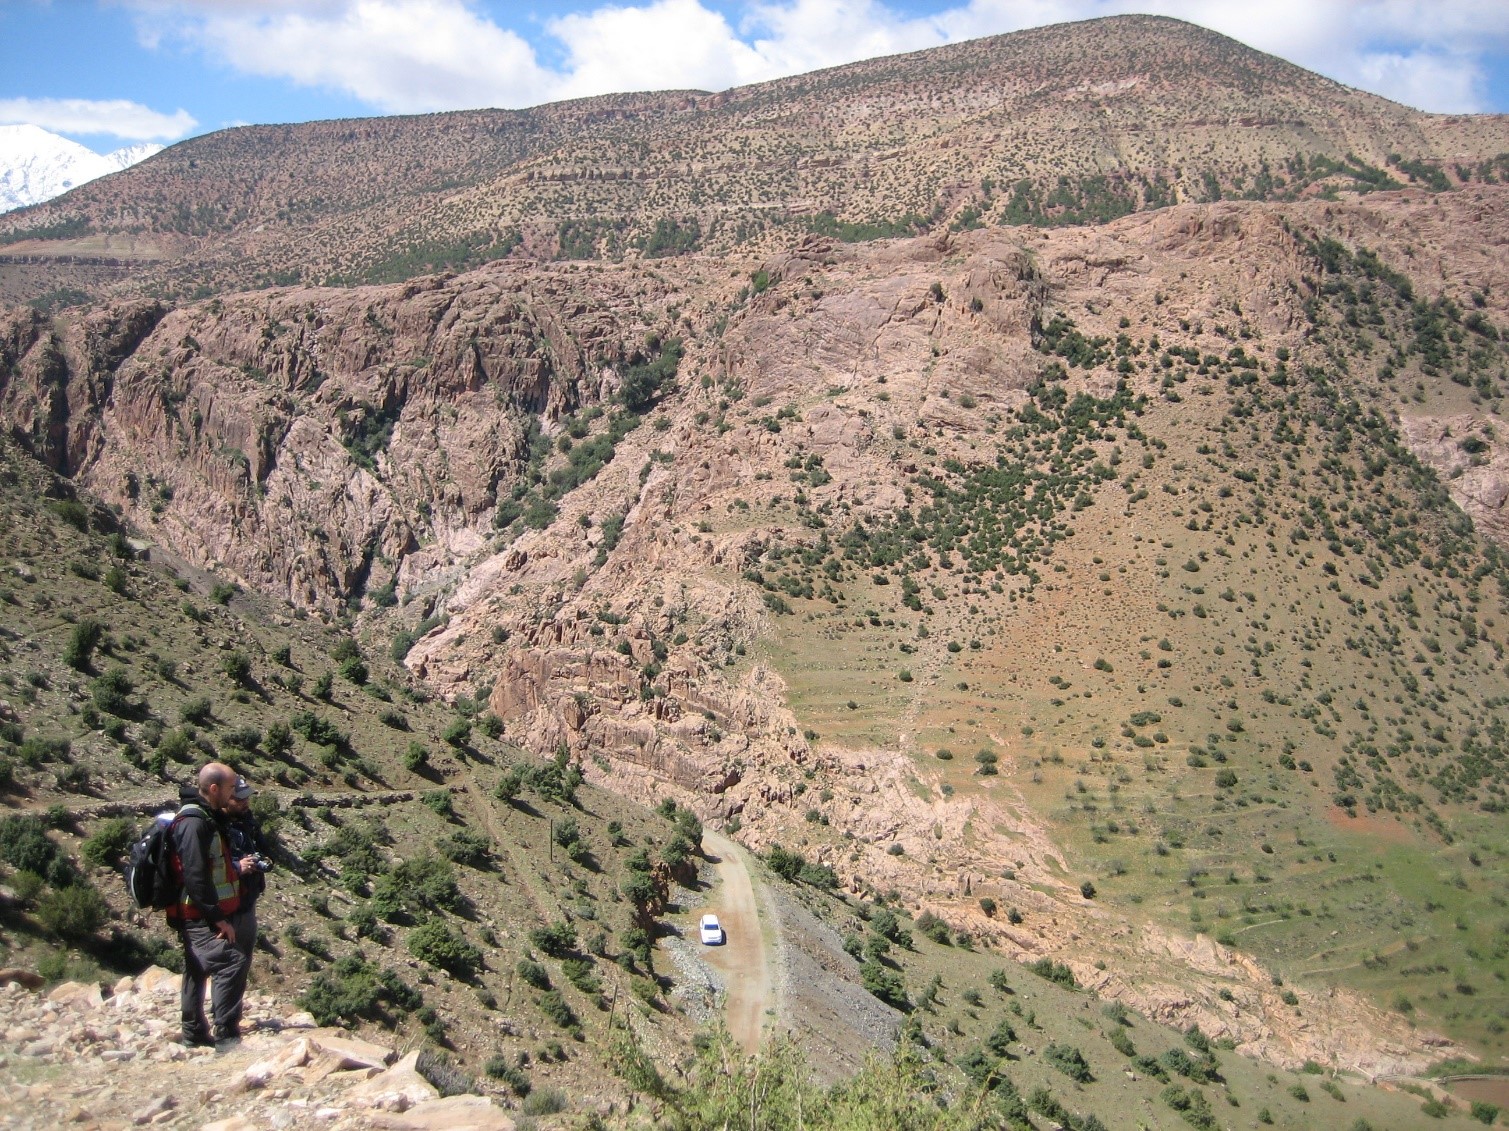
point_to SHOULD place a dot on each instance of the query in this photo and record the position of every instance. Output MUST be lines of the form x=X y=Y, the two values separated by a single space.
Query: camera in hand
x=261 y=862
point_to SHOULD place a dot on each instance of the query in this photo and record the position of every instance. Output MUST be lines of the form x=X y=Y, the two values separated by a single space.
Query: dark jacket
x=202 y=862
x=246 y=840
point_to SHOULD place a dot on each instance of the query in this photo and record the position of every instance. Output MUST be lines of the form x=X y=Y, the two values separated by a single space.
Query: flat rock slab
x=352 y=1051
x=79 y=995
x=234 y=1123
x=454 y=1113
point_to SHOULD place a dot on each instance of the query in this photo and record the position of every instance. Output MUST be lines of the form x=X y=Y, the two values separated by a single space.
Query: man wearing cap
x=204 y=867
x=249 y=852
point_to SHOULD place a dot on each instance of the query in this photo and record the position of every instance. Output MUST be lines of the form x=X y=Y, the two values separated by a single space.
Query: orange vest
x=222 y=872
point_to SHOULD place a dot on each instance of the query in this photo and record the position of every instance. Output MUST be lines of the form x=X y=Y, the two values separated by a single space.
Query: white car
x=711 y=930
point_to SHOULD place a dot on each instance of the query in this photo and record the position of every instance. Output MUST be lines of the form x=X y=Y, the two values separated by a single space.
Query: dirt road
x=741 y=959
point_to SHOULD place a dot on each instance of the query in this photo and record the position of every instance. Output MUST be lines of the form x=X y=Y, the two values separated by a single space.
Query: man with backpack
x=207 y=874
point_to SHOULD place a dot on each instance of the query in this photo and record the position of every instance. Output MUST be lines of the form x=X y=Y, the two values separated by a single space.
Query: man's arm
x=192 y=837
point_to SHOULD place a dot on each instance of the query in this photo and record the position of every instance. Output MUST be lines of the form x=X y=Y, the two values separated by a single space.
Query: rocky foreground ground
x=80 y=1057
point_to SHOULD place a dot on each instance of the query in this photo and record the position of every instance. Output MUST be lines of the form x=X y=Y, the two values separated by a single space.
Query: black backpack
x=149 y=872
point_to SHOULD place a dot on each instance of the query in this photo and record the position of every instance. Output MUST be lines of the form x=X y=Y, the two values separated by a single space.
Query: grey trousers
x=245 y=922
x=207 y=956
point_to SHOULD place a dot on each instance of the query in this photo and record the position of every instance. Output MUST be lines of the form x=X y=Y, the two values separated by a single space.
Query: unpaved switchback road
x=741 y=959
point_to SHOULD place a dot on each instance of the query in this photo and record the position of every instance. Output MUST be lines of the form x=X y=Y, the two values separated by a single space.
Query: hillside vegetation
x=1078 y=123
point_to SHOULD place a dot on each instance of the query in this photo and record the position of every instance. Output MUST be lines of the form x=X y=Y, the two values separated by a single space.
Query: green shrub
x=199 y=711
x=438 y=801
x=73 y=512
x=557 y=941
x=1070 y=1061
x=934 y=928
x=82 y=641
x=109 y=842
x=237 y=666
x=885 y=984
x=579 y=973
x=418 y=887
x=436 y=1067
x=547 y=1101
x=1055 y=972
x=279 y=740
x=555 y=1007
x=466 y=847
x=24 y=845
x=72 y=913
x=416 y=758
x=1001 y=1037
x=437 y=945
x=1192 y=1107
x=533 y=973
x=510 y=1074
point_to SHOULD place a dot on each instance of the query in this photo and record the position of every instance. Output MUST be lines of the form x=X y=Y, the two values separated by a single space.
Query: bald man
x=202 y=916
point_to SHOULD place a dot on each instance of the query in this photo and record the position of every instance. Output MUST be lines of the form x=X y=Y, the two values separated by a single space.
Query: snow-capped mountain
x=36 y=165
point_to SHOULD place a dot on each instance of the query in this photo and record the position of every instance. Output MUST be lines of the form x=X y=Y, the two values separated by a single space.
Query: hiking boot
x=196 y=1039
x=227 y=1037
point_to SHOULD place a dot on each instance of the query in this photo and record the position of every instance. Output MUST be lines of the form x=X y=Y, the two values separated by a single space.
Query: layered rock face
x=308 y=442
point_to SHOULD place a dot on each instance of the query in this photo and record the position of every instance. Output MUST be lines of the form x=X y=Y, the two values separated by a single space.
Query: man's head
x=217 y=784
x=240 y=799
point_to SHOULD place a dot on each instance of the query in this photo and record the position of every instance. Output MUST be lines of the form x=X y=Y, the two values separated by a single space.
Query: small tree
x=82 y=642
x=237 y=665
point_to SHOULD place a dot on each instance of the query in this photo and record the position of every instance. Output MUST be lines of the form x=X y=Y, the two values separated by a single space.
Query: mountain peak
x=37 y=165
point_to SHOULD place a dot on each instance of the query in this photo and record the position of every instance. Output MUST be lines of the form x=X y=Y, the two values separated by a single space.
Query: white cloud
x=402 y=56
x=117 y=117
x=415 y=55
x=1443 y=83
x=666 y=45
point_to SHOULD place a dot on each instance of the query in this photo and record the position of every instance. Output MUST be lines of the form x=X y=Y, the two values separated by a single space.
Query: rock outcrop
x=81 y=1057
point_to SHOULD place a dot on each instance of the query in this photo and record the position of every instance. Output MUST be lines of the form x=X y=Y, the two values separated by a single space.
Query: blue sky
x=114 y=72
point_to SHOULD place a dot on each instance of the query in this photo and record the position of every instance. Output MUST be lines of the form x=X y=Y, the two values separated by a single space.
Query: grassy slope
x=1269 y=585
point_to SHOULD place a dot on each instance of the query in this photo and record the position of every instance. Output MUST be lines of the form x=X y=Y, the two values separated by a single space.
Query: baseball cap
x=243 y=789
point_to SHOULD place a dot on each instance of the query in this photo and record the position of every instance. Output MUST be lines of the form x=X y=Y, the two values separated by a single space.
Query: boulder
x=396 y=1090
x=79 y=995
x=351 y=1051
x=295 y=1054
x=156 y=980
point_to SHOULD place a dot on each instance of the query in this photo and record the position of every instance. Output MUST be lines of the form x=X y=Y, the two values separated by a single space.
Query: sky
x=109 y=73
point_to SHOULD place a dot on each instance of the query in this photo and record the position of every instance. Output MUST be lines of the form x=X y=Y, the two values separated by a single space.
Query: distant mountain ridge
x=1077 y=123
x=37 y=165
